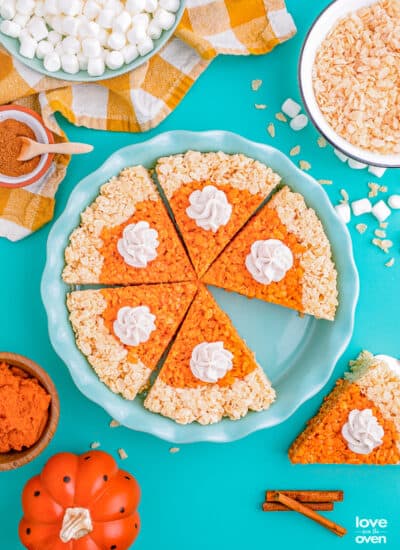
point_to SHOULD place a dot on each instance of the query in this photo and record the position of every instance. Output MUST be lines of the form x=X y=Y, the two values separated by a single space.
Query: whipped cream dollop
x=134 y=325
x=269 y=261
x=391 y=362
x=210 y=361
x=138 y=245
x=362 y=432
x=209 y=208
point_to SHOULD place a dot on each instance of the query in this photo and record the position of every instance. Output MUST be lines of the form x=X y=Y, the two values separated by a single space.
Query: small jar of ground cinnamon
x=10 y=147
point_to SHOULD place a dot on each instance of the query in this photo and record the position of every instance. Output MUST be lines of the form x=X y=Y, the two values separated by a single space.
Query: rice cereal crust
x=245 y=182
x=92 y=255
x=309 y=286
x=126 y=369
x=179 y=395
x=372 y=386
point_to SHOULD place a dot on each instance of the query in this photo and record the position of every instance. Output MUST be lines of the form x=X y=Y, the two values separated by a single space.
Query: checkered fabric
x=141 y=99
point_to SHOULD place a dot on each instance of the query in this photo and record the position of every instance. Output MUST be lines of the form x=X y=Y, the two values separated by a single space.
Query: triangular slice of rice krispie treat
x=123 y=332
x=283 y=256
x=209 y=372
x=212 y=195
x=126 y=237
x=359 y=421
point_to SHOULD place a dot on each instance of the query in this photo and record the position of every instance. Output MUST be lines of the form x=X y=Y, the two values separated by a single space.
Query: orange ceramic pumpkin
x=80 y=503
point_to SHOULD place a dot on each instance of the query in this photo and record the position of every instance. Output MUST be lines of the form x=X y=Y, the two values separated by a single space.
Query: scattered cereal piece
x=174 y=450
x=384 y=245
x=114 y=424
x=256 y=84
x=271 y=129
x=95 y=445
x=321 y=142
x=305 y=165
x=343 y=212
x=383 y=189
x=377 y=171
x=374 y=188
x=295 y=151
x=260 y=106
x=381 y=211
x=380 y=233
x=356 y=165
x=325 y=182
x=281 y=117
x=122 y=454
x=341 y=156
x=383 y=225
x=362 y=206
x=298 y=122
x=345 y=195
x=394 y=202
x=390 y=262
x=361 y=228
x=291 y=108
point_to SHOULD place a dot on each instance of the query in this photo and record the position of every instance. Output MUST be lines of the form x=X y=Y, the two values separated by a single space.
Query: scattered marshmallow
x=114 y=60
x=289 y=107
x=343 y=212
x=394 y=202
x=341 y=156
x=70 y=63
x=362 y=206
x=356 y=165
x=52 y=62
x=96 y=66
x=377 y=171
x=298 y=122
x=381 y=211
x=10 y=28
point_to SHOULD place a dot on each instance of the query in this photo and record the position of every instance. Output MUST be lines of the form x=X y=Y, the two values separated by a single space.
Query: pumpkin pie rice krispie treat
x=212 y=195
x=209 y=372
x=359 y=422
x=283 y=256
x=126 y=237
x=123 y=332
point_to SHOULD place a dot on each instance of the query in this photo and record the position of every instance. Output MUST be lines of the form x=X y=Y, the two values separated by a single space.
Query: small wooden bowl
x=15 y=459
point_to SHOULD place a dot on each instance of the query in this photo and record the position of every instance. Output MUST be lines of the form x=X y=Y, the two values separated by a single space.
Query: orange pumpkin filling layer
x=204 y=246
x=322 y=441
x=167 y=302
x=171 y=263
x=205 y=322
x=229 y=270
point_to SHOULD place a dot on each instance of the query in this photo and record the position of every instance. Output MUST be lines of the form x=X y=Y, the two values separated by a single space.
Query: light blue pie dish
x=12 y=46
x=298 y=354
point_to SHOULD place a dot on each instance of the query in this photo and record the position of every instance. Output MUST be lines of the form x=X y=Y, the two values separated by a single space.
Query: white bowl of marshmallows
x=85 y=40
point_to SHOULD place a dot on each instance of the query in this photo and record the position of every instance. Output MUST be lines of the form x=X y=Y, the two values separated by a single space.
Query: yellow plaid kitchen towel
x=141 y=99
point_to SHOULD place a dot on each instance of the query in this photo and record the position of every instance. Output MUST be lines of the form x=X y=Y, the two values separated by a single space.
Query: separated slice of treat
x=126 y=237
x=123 y=332
x=209 y=372
x=212 y=195
x=359 y=421
x=283 y=256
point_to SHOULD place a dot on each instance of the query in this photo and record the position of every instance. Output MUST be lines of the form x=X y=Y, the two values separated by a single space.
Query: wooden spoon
x=31 y=148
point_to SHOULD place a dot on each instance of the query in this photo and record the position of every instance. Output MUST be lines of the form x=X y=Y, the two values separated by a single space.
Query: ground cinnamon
x=10 y=146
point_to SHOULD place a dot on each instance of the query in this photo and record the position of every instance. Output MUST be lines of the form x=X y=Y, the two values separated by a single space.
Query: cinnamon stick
x=307 y=496
x=278 y=507
x=311 y=514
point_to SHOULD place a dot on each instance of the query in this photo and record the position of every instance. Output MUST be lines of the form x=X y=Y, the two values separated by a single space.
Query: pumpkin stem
x=77 y=523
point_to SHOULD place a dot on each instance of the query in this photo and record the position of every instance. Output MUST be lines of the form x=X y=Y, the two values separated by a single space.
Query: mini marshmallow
x=343 y=212
x=356 y=165
x=51 y=8
x=69 y=63
x=52 y=62
x=152 y=5
x=298 y=122
x=25 y=6
x=114 y=60
x=59 y=49
x=44 y=48
x=96 y=66
x=71 y=45
x=116 y=41
x=10 y=28
x=91 y=47
x=106 y=19
x=122 y=22
x=102 y=36
x=83 y=61
x=362 y=206
x=135 y=6
x=381 y=211
x=37 y=28
x=154 y=31
x=164 y=18
x=130 y=53
x=21 y=20
x=91 y=9
x=394 y=202
x=8 y=11
x=136 y=34
x=70 y=26
x=54 y=37
x=89 y=29
x=377 y=171
x=170 y=5
x=57 y=23
x=341 y=156
x=289 y=107
x=146 y=46
x=28 y=47
x=70 y=7
x=40 y=10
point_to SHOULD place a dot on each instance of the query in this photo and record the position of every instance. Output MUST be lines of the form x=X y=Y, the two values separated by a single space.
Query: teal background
x=208 y=496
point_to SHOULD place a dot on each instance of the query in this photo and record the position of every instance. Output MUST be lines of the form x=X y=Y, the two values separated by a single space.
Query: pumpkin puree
x=24 y=405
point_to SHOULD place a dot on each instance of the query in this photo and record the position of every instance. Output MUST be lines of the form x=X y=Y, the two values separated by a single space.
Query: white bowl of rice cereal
x=349 y=79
